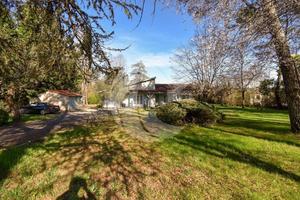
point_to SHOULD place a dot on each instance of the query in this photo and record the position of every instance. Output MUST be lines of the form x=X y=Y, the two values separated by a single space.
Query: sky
x=154 y=40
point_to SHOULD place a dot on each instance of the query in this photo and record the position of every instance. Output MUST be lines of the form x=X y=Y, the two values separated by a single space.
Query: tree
x=75 y=17
x=33 y=56
x=204 y=62
x=273 y=93
x=138 y=73
x=264 y=20
x=112 y=88
x=43 y=44
x=277 y=90
x=247 y=69
x=118 y=87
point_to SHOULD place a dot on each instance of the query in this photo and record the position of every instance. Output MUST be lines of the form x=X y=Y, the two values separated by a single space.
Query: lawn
x=251 y=155
x=33 y=117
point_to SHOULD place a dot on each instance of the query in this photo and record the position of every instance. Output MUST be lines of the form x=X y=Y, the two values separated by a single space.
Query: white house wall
x=172 y=96
x=64 y=102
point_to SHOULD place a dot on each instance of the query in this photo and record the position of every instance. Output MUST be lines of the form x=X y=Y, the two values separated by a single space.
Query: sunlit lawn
x=251 y=155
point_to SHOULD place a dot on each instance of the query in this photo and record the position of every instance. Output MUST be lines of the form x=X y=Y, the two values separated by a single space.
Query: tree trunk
x=12 y=103
x=16 y=115
x=277 y=90
x=13 y=107
x=288 y=68
x=84 y=92
x=243 y=98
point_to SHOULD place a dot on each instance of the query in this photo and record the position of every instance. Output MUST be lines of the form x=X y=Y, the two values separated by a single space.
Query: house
x=65 y=99
x=148 y=93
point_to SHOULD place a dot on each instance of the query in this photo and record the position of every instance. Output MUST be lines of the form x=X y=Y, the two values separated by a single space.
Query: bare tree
x=204 y=62
x=264 y=20
x=247 y=68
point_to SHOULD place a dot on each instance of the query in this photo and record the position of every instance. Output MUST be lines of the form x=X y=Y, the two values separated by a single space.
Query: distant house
x=65 y=99
x=148 y=93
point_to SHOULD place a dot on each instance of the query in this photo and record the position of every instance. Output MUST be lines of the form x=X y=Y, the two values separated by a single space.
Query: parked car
x=39 y=108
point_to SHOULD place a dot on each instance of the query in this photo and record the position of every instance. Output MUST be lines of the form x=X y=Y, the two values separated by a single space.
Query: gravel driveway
x=20 y=133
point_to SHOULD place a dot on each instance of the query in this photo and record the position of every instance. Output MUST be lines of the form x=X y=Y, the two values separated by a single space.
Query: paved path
x=144 y=125
x=20 y=133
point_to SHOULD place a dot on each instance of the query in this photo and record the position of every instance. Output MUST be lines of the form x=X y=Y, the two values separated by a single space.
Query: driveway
x=20 y=133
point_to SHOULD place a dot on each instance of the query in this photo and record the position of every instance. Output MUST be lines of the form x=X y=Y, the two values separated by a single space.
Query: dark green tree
x=44 y=43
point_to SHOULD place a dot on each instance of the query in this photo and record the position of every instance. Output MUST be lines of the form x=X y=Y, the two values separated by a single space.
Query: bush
x=3 y=117
x=189 y=111
x=95 y=99
x=201 y=116
x=171 y=113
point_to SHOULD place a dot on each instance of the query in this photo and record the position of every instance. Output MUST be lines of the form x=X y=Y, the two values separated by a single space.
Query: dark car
x=40 y=108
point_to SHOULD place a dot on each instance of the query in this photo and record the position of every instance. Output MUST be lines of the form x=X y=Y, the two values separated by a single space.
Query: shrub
x=189 y=104
x=3 y=117
x=189 y=111
x=201 y=116
x=171 y=113
x=95 y=99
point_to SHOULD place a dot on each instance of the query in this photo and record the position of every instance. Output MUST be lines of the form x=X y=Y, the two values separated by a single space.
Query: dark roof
x=165 y=87
x=150 y=79
x=66 y=93
x=168 y=87
x=159 y=87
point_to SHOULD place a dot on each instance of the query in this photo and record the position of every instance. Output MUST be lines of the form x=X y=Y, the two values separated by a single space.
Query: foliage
x=200 y=113
x=4 y=117
x=266 y=86
x=34 y=56
x=269 y=88
x=171 y=113
x=115 y=87
x=94 y=98
x=82 y=23
x=201 y=116
x=119 y=87
x=53 y=45
x=188 y=111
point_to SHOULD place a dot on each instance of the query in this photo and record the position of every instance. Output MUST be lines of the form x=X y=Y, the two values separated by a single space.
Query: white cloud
x=157 y=63
x=152 y=60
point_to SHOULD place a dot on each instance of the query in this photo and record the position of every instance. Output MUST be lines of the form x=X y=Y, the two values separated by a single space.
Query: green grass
x=37 y=117
x=34 y=117
x=252 y=155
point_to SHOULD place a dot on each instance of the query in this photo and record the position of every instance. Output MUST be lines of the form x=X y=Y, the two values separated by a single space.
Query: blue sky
x=154 y=40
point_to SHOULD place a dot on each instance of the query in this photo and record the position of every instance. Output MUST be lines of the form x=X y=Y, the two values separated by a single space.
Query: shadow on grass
x=77 y=190
x=222 y=149
x=259 y=128
x=108 y=156
x=267 y=137
x=10 y=156
x=254 y=110
x=8 y=159
x=258 y=125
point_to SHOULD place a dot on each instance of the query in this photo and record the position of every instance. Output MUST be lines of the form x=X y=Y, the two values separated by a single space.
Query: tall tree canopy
x=272 y=22
x=51 y=44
